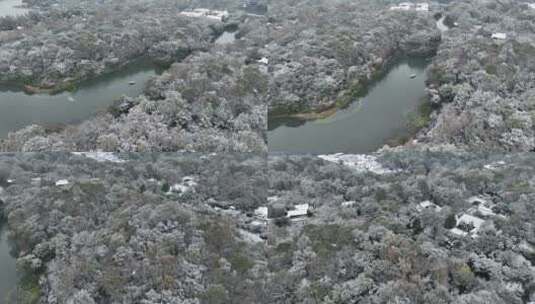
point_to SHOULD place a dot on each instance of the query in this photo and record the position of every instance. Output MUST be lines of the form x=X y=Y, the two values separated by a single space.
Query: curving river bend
x=379 y=118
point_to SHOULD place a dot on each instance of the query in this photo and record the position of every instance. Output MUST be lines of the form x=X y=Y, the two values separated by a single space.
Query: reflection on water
x=364 y=126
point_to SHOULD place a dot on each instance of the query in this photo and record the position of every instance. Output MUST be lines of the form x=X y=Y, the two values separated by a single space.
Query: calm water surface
x=18 y=109
x=363 y=127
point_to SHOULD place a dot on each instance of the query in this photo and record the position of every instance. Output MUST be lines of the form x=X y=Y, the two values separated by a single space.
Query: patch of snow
x=206 y=13
x=358 y=162
x=258 y=223
x=250 y=237
x=441 y=26
x=348 y=203
x=495 y=165
x=101 y=156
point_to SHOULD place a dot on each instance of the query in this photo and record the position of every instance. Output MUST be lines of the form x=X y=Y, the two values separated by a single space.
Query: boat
x=413 y=76
x=132 y=83
x=71 y=99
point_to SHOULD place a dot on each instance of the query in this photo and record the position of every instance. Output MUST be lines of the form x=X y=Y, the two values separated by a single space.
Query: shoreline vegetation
x=72 y=85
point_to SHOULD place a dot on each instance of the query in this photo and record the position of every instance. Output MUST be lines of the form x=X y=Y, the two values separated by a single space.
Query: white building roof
x=499 y=36
x=407 y=6
x=62 y=182
x=299 y=210
x=261 y=212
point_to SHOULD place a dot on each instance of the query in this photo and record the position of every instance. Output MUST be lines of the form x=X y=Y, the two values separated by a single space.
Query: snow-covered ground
x=441 y=26
x=101 y=156
x=358 y=162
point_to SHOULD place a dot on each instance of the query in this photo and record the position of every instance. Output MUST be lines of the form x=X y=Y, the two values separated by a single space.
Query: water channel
x=18 y=109
x=366 y=125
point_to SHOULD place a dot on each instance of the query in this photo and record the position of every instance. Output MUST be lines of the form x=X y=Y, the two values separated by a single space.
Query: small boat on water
x=132 y=83
x=71 y=99
x=413 y=76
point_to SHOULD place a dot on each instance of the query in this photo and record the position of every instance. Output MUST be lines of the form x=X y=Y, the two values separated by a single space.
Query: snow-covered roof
x=189 y=181
x=458 y=231
x=261 y=212
x=299 y=210
x=272 y=198
x=477 y=200
x=428 y=204
x=481 y=206
x=264 y=60
x=62 y=182
x=499 y=36
x=206 y=13
x=179 y=188
x=470 y=219
x=422 y=7
x=407 y=6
